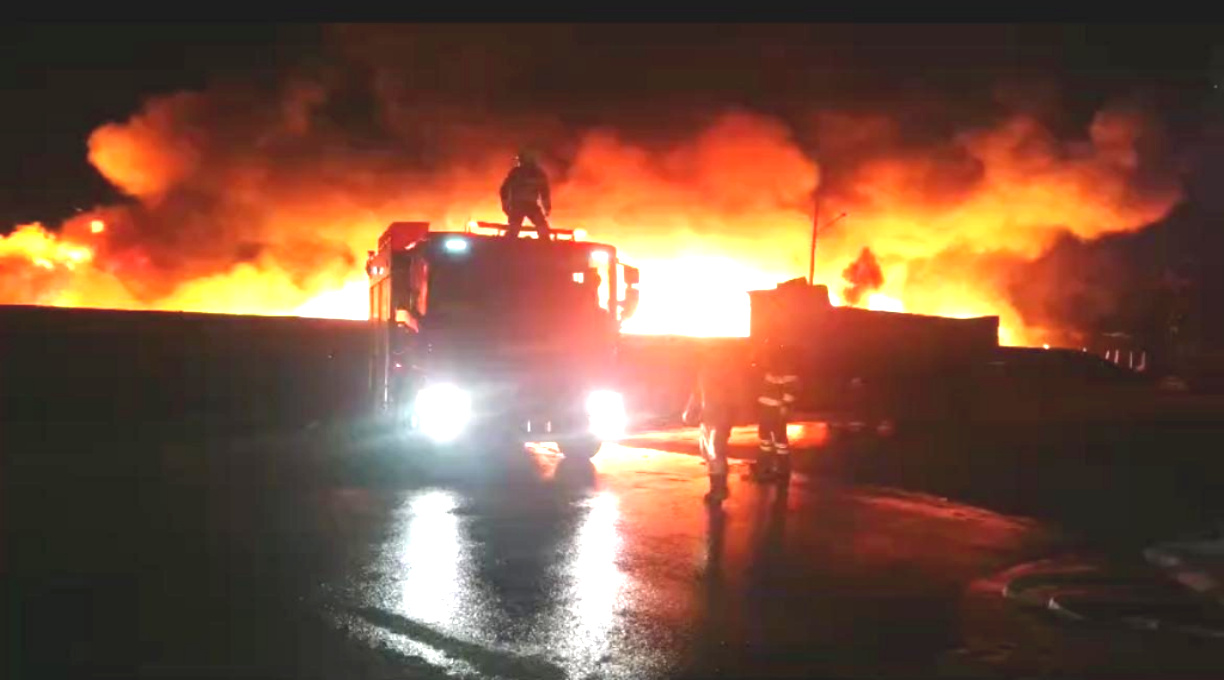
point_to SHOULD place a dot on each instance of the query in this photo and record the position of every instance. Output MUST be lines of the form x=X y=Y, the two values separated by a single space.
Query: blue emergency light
x=455 y=245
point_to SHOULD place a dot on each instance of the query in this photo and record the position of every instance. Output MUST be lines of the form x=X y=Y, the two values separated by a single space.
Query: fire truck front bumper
x=449 y=411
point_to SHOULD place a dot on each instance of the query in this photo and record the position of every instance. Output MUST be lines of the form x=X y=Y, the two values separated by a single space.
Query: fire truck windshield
x=491 y=286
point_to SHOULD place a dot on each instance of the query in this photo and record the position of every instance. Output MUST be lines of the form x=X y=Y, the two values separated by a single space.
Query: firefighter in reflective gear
x=779 y=386
x=712 y=404
x=525 y=194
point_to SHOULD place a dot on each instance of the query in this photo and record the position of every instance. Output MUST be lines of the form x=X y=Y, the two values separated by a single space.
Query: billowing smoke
x=247 y=200
x=862 y=277
x=951 y=222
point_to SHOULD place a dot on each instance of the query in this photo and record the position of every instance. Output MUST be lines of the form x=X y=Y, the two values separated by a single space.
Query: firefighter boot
x=718 y=490
x=762 y=469
x=782 y=470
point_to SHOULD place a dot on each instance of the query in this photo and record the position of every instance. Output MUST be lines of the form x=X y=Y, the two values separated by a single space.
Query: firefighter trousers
x=714 y=442
x=533 y=212
x=772 y=432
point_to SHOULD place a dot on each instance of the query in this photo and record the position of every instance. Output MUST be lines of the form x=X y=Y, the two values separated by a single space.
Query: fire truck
x=479 y=338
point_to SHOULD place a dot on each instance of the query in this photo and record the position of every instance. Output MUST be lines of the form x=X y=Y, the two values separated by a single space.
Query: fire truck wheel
x=580 y=449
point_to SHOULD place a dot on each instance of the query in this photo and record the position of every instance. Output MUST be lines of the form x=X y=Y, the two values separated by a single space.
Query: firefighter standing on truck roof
x=712 y=404
x=525 y=194
x=778 y=388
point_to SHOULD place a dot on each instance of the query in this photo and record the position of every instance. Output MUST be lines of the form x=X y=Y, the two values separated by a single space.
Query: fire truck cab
x=480 y=338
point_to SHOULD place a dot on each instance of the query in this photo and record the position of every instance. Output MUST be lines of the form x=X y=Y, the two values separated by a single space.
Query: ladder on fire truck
x=502 y=229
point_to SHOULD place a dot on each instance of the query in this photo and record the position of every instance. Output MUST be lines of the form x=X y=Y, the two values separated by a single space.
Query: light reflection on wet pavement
x=555 y=568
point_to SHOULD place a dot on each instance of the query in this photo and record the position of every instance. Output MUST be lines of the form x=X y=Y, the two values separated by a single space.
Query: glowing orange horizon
x=706 y=217
x=692 y=295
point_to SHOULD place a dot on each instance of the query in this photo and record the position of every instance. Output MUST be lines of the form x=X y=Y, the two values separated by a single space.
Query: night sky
x=62 y=81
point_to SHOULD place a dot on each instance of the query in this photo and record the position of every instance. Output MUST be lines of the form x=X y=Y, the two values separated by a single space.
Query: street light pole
x=812 y=255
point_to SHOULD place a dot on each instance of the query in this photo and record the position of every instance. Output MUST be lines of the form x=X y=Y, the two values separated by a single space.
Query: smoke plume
x=249 y=200
x=862 y=277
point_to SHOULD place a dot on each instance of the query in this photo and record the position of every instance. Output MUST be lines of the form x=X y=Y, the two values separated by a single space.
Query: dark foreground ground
x=131 y=552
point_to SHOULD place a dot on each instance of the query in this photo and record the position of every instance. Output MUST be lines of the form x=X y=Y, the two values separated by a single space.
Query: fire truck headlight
x=442 y=411
x=606 y=410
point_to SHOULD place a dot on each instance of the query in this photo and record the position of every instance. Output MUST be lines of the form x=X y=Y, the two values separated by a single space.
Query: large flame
x=242 y=207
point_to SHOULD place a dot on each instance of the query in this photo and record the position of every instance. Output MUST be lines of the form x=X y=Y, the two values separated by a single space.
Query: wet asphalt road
x=570 y=571
x=536 y=567
x=622 y=572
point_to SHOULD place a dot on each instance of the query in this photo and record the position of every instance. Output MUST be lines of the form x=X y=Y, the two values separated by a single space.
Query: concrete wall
x=99 y=366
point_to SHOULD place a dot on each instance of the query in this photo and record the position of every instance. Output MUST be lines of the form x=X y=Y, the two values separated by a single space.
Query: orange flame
x=220 y=225
x=33 y=243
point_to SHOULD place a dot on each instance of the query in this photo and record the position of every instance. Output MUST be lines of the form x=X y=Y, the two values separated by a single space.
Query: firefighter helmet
x=525 y=157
